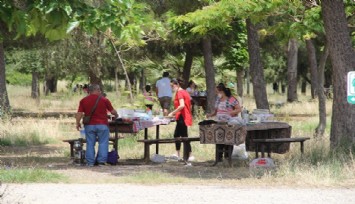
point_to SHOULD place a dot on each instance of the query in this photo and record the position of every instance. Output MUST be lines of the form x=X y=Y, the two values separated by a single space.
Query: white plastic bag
x=262 y=163
x=236 y=121
x=157 y=158
x=239 y=152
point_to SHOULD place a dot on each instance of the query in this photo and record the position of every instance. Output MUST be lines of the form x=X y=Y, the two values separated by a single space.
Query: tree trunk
x=343 y=60
x=142 y=81
x=319 y=131
x=283 y=88
x=124 y=70
x=117 y=83
x=35 y=85
x=240 y=80
x=304 y=87
x=256 y=67
x=94 y=79
x=50 y=85
x=292 y=70
x=4 y=98
x=248 y=81
x=312 y=63
x=210 y=73
x=187 y=65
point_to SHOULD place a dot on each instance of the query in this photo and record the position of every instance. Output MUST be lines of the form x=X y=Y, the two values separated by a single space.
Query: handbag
x=112 y=157
x=87 y=118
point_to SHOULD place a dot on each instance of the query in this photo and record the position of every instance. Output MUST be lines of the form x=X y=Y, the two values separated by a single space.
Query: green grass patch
x=24 y=139
x=31 y=175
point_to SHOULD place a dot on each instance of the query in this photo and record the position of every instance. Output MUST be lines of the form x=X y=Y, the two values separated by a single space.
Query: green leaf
x=72 y=25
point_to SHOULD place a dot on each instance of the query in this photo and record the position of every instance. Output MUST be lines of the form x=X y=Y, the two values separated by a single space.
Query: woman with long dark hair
x=227 y=106
x=182 y=113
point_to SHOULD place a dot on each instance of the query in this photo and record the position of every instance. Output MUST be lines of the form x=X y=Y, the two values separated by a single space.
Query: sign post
x=351 y=87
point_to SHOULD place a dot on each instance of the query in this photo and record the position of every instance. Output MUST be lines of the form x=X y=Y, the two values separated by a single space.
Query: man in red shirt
x=97 y=128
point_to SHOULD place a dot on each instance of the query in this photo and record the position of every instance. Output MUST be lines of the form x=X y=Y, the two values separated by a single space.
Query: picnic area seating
x=112 y=140
x=184 y=140
x=267 y=142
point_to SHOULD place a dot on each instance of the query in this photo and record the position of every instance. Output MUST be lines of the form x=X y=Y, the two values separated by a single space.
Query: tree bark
x=343 y=60
x=187 y=65
x=240 y=80
x=247 y=81
x=319 y=131
x=292 y=70
x=312 y=63
x=210 y=73
x=304 y=87
x=35 y=85
x=256 y=67
x=4 y=98
x=50 y=85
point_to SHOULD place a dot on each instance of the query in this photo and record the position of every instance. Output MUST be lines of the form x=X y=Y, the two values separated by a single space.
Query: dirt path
x=127 y=193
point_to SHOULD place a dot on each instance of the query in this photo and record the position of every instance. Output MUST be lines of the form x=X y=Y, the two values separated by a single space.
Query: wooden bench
x=113 y=141
x=184 y=140
x=268 y=142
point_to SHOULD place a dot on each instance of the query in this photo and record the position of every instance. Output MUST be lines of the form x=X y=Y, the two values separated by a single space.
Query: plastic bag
x=239 y=152
x=157 y=158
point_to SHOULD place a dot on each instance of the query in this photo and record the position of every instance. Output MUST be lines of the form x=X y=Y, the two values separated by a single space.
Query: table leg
x=216 y=157
x=146 y=152
x=302 y=148
x=262 y=150
x=269 y=150
x=157 y=137
x=230 y=151
x=256 y=150
x=71 y=149
x=145 y=133
x=116 y=138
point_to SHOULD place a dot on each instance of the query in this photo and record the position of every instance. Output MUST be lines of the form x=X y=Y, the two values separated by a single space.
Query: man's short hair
x=165 y=74
x=94 y=87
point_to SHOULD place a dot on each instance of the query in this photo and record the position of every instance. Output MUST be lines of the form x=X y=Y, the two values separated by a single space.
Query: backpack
x=112 y=157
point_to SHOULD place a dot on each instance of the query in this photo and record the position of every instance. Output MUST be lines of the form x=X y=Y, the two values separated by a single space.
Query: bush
x=17 y=78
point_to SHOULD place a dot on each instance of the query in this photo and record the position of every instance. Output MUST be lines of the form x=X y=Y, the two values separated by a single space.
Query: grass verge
x=31 y=175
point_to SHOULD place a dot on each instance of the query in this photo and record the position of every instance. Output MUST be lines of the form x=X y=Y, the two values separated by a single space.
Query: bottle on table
x=161 y=113
x=82 y=133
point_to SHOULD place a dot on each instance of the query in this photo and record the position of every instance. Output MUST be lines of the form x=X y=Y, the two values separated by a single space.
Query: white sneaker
x=188 y=164
x=191 y=158
x=174 y=157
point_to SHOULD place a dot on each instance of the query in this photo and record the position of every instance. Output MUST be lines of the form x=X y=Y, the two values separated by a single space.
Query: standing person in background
x=226 y=106
x=192 y=90
x=86 y=89
x=97 y=126
x=182 y=113
x=164 y=93
x=148 y=98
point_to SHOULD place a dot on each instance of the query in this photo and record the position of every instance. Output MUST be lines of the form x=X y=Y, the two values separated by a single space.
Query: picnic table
x=119 y=126
x=276 y=136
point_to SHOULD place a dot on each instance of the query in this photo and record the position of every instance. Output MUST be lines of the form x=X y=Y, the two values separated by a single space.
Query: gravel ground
x=159 y=194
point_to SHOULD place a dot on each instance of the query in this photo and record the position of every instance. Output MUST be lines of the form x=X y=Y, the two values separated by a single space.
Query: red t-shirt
x=99 y=117
x=186 y=111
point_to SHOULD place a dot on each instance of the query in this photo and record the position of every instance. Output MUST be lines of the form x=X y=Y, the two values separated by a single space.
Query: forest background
x=262 y=42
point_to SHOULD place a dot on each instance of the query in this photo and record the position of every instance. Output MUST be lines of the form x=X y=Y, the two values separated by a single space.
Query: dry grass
x=319 y=166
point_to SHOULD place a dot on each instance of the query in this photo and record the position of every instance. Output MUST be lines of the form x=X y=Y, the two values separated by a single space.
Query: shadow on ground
x=53 y=157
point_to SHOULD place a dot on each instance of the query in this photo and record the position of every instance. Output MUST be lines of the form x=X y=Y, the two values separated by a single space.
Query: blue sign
x=351 y=87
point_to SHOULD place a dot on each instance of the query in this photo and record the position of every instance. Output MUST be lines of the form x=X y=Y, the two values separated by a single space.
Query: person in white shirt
x=164 y=92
